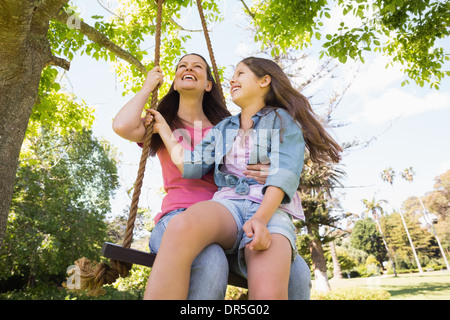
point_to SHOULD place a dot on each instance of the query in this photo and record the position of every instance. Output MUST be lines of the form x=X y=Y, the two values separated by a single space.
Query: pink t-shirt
x=181 y=192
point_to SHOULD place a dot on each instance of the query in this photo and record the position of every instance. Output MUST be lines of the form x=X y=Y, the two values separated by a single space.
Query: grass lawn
x=426 y=286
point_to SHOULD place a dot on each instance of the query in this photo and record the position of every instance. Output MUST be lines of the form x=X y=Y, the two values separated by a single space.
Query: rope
x=148 y=134
x=93 y=275
x=210 y=49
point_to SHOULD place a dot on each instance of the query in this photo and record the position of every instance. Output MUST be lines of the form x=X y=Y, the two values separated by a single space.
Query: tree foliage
x=61 y=196
x=405 y=31
x=365 y=237
x=438 y=200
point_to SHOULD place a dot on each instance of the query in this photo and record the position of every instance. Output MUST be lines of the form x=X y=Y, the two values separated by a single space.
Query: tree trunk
x=24 y=52
x=16 y=103
x=337 y=272
x=318 y=260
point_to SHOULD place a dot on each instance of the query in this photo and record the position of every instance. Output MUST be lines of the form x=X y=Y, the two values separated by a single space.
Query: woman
x=194 y=105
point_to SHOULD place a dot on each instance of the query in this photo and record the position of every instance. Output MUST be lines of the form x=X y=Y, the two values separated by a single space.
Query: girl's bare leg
x=185 y=237
x=268 y=270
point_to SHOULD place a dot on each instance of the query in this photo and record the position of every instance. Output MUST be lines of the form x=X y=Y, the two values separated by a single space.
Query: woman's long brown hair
x=213 y=107
x=321 y=146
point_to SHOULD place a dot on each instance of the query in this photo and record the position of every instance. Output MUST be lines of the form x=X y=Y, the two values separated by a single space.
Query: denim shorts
x=242 y=210
x=160 y=228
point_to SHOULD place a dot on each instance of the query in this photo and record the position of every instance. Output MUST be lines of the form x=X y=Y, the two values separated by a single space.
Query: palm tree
x=388 y=176
x=408 y=175
x=374 y=207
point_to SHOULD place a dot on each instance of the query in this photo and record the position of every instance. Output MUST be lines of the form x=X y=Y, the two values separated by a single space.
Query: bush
x=368 y=270
x=49 y=292
x=136 y=280
x=371 y=260
x=351 y=274
x=352 y=294
x=236 y=293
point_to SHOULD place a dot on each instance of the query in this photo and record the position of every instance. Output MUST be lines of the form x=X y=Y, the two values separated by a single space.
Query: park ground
x=433 y=285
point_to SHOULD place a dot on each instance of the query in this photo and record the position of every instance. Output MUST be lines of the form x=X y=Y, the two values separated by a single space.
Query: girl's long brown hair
x=321 y=146
x=213 y=107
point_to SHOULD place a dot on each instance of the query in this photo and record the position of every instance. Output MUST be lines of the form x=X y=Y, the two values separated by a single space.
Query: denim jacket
x=277 y=138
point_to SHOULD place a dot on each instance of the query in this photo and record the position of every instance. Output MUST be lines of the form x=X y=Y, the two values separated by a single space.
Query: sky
x=407 y=126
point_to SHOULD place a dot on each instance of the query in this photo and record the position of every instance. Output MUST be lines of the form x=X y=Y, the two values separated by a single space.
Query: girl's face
x=246 y=88
x=191 y=75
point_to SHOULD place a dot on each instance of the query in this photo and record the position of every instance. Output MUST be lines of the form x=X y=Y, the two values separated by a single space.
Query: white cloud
x=243 y=49
x=395 y=103
x=373 y=76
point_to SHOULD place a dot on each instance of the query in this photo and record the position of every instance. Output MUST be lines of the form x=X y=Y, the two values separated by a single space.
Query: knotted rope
x=94 y=275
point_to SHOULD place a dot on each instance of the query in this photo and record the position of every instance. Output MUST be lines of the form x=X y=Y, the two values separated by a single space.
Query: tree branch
x=96 y=36
x=177 y=25
x=251 y=14
x=58 y=62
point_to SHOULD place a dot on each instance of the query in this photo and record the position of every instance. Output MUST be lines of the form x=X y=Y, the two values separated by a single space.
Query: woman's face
x=191 y=75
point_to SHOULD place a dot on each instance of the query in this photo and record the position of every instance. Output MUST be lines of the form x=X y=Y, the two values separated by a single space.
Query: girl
x=192 y=98
x=275 y=125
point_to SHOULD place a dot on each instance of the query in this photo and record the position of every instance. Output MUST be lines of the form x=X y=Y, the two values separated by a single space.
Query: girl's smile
x=235 y=88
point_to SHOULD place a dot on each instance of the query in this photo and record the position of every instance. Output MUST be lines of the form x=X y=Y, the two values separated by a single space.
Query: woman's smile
x=189 y=77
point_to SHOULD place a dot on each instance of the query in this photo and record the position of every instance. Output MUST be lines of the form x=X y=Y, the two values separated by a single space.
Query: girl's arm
x=257 y=225
x=287 y=151
x=286 y=163
x=128 y=123
x=192 y=164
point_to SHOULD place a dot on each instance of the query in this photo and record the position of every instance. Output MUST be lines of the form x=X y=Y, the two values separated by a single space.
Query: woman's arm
x=175 y=149
x=258 y=172
x=128 y=123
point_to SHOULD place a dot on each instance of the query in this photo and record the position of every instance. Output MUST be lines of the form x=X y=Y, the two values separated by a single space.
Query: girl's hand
x=261 y=237
x=258 y=172
x=160 y=123
x=154 y=78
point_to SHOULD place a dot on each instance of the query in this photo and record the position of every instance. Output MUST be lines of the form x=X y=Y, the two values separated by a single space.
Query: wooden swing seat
x=133 y=256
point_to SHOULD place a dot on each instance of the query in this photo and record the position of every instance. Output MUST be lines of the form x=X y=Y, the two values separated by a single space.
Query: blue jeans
x=209 y=271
